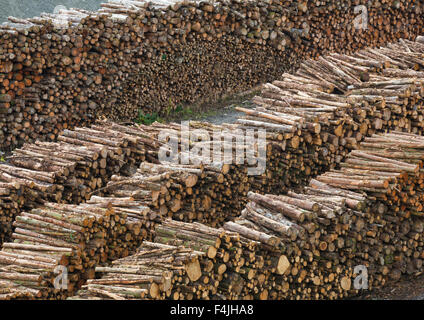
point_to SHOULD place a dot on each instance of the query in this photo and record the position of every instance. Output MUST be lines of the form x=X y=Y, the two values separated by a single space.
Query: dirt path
x=218 y=112
x=228 y=115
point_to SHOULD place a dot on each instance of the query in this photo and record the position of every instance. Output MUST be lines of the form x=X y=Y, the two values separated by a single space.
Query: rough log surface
x=68 y=69
x=368 y=211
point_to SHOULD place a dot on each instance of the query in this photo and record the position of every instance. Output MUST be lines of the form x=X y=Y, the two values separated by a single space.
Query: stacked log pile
x=136 y=220
x=188 y=261
x=53 y=236
x=67 y=171
x=367 y=213
x=311 y=228
x=301 y=245
x=67 y=69
x=78 y=237
x=154 y=272
x=209 y=192
x=337 y=101
x=232 y=265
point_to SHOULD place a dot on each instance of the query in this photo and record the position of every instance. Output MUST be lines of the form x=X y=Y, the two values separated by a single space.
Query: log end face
x=282 y=265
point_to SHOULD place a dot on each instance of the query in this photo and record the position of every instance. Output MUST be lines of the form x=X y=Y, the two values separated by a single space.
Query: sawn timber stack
x=68 y=69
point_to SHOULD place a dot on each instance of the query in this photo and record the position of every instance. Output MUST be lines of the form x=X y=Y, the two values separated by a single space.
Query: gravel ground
x=228 y=115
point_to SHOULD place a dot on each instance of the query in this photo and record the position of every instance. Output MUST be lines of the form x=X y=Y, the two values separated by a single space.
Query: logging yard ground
x=218 y=112
x=408 y=288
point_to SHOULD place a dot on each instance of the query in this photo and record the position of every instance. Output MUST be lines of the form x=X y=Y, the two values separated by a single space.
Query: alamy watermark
x=361 y=280
x=361 y=21
x=237 y=146
x=61 y=281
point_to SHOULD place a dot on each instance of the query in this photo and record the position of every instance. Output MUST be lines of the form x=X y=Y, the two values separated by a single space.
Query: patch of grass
x=183 y=112
x=191 y=112
x=148 y=118
x=169 y=108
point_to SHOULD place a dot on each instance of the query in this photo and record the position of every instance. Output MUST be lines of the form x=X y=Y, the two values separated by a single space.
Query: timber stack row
x=213 y=189
x=310 y=128
x=338 y=100
x=217 y=253
x=368 y=213
x=207 y=194
x=154 y=271
x=295 y=246
x=58 y=71
x=226 y=265
x=50 y=237
x=302 y=245
x=77 y=237
x=67 y=171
